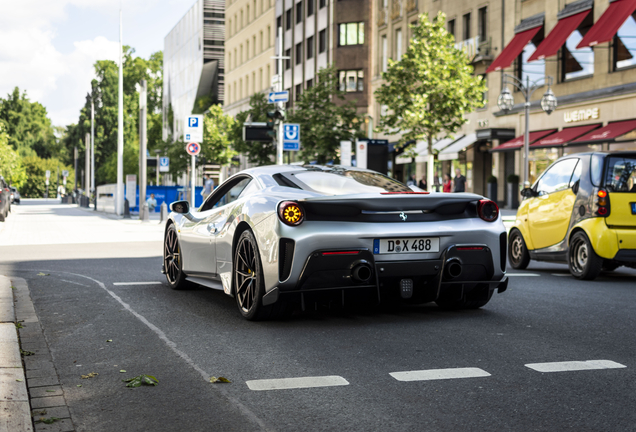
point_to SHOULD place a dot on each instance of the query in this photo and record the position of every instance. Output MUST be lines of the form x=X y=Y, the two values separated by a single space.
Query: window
x=299 y=53
x=299 y=89
x=247 y=50
x=577 y=63
x=466 y=26
x=557 y=177
x=241 y=58
x=535 y=69
x=322 y=41
x=310 y=47
x=451 y=27
x=482 y=23
x=411 y=27
x=352 y=81
x=310 y=83
x=229 y=59
x=384 y=61
x=247 y=15
x=310 y=7
x=624 y=44
x=288 y=19
x=398 y=44
x=341 y=182
x=351 y=34
x=288 y=59
x=620 y=175
x=253 y=82
x=261 y=44
x=269 y=37
x=299 y=12
x=228 y=194
x=255 y=14
x=260 y=79
x=230 y=27
x=322 y=3
x=254 y=46
x=279 y=22
x=242 y=22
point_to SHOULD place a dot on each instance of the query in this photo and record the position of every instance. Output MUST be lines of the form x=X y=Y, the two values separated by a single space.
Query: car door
x=550 y=211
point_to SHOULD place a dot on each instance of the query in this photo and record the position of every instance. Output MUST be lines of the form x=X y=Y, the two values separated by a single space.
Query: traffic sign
x=164 y=164
x=193 y=130
x=65 y=173
x=291 y=136
x=281 y=96
x=48 y=174
x=193 y=148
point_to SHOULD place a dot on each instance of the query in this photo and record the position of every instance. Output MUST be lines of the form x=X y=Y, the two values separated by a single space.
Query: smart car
x=581 y=211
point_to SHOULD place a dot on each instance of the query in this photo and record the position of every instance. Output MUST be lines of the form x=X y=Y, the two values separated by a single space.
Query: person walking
x=208 y=186
x=446 y=186
x=459 y=181
x=422 y=184
x=152 y=203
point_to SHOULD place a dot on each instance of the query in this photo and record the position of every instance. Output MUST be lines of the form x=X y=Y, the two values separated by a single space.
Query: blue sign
x=291 y=136
x=281 y=96
x=164 y=164
x=193 y=122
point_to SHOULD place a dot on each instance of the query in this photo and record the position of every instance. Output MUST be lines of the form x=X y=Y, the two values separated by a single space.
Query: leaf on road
x=19 y=380
x=218 y=380
x=19 y=325
x=122 y=371
x=141 y=379
x=79 y=385
x=109 y=340
x=47 y=420
x=26 y=353
x=39 y=413
x=43 y=274
x=90 y=375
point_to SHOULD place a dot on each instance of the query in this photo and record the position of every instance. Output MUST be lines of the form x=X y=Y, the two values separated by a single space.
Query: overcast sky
x=48 y=47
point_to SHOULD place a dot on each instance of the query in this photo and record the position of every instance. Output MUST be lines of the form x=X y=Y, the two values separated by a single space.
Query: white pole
x=119 y=204
x=93 y=149
x=143 y=142
x=194 y=177
x=281 y=105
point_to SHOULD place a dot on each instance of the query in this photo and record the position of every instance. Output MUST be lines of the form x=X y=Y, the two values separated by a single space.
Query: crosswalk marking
x=439 y=374
x=296 y=383
x=568 y=366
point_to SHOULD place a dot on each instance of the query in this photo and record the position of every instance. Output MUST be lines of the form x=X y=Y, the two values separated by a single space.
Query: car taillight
x=602 y=203
x=291 y=213
x=487 y=210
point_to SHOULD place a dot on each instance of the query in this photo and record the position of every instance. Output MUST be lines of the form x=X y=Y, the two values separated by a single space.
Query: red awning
x=557 y=37
x=518 y=142
x=565 y=136
x=513 y=49
x=607 y=133
x=609 y=23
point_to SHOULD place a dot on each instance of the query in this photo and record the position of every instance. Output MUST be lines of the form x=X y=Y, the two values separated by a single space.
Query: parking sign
x=291 y=136
x=193 y=130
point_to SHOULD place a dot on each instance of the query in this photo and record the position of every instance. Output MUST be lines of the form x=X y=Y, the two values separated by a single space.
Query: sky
x=48 y=47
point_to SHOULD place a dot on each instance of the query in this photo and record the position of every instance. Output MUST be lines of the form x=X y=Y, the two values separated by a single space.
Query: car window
x=343 y=182
x=249 y=189
x=620 y=175
x=223 y=195
x=577 y=173
x=557 y=177
x=596 y=169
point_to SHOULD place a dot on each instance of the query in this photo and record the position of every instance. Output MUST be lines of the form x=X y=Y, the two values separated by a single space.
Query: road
x=75 y=262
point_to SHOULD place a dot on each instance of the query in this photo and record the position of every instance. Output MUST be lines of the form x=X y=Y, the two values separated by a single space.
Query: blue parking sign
x=291 y=137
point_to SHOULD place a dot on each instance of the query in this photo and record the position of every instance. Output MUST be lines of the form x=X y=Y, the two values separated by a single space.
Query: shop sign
x=581 y=115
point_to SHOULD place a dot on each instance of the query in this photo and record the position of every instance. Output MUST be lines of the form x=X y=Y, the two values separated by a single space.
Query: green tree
x=325 y=118
x=216 y=136
x=11 y=167
x=36 y=167
x=259 y=153
x=428 y=91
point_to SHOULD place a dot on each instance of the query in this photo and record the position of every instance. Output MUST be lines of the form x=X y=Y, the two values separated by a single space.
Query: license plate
x=406 y=245
x=634 y=208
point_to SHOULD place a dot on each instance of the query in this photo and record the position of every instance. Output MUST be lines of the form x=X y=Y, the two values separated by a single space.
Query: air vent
x=503 y=250
x=285 y=258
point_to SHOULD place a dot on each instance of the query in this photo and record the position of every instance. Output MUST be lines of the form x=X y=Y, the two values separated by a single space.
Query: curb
x=14 y=399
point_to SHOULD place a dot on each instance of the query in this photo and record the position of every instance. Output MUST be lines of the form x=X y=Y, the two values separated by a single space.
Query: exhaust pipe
x=453 y=268
x=361 y=273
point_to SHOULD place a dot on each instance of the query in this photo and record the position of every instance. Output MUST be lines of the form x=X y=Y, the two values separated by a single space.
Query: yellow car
x=581 y=211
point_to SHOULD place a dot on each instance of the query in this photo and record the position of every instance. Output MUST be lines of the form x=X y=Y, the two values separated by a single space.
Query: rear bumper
x=626 y=256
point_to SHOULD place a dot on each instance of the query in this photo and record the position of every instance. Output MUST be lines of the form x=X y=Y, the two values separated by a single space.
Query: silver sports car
x=277 y=237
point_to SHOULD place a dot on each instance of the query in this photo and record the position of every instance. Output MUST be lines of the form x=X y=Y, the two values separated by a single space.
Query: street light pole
x=93 y=192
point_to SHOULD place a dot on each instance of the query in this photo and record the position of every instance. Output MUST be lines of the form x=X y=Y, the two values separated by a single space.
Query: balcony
x=411 y=6
x=396 y=9
x=477 y=50
x=383 y=17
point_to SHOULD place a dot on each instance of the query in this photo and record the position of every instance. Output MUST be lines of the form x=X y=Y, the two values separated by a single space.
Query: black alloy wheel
x=518 y=254
x=582 y=260
x=172 y=260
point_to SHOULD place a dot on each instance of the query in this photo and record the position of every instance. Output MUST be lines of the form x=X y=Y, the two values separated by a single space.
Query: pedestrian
x=459 y=181
x=411 y=181
x=152 y=203
x=422 y=184
x=436 y=183
x=208 y=186
x=446 y=186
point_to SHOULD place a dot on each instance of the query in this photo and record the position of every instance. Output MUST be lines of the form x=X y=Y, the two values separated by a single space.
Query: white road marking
x=136 y=283
x=76 y=283
x=569 y=366
x=296 y=383
x=561 y=274
x=438 y=374
x=522 y=274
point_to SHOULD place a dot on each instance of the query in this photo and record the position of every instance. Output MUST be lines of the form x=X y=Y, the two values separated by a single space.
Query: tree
x=216 y=136
x=11 y=167
x=259 y=153
x=428 y=91
x=325 y=118
x=36 y=168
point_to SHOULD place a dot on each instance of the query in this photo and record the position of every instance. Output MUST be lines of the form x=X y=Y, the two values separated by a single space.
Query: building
x=249 y=48
x=193 y=65
x=587 y=46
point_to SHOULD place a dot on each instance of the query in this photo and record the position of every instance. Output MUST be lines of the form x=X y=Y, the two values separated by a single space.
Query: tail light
x=291 y=213
x=487 y=210
x=602 y=203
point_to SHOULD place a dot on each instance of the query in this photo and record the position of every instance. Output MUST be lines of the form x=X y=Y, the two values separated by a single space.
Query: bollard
x=126 y=209
x=163 y=212
x=144 y=215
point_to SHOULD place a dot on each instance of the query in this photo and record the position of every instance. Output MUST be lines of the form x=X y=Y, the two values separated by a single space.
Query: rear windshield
x=620 y=175
x=345 y=182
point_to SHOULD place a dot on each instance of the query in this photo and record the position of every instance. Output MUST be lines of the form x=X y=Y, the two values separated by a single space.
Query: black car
x=5 y=199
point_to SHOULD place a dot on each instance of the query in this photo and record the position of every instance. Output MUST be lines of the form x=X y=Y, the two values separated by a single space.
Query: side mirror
x=181 y=207
x=527 y=192
x=575 y=187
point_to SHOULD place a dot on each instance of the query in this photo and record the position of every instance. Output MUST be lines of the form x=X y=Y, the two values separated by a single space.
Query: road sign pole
x=143 y=143
x=194 y=177
x=281 y=105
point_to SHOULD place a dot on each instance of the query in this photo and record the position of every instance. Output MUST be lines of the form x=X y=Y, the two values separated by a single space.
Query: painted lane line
x=76 y=283
x=522 y=274
x=569 y=366
x=439 y=374
x=296 y=383
x=561 y=274
x=136 y=283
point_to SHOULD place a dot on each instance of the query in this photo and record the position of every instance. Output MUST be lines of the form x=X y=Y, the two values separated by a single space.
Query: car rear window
x=620 y=175
x=345 y=182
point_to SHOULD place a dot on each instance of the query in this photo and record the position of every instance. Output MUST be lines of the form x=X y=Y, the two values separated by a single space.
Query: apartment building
x=588 y=47
x=249 y=49
x=193 y=65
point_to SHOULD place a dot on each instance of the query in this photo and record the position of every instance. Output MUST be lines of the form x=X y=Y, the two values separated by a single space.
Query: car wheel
x=249 y=283
x=518 y=254
x=478 y=297
x=582 y=260
x=173 y=260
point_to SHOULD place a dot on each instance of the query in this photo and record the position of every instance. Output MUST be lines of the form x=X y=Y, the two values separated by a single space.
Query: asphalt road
x=184 y=337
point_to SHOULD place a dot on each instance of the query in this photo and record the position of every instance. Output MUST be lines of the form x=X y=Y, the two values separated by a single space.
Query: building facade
x=193 y=67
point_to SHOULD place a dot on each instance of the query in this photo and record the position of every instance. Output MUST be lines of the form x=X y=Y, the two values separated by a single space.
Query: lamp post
x=505 y=102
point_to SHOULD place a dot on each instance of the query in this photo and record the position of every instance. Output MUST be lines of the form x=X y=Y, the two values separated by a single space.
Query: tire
x=249 y=283
x=518 y=254
x=582 y=260
x=475 y=299
x=172 y=260
x=2 y=216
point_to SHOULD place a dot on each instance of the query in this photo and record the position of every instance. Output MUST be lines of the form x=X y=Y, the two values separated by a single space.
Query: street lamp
x=505 y=102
